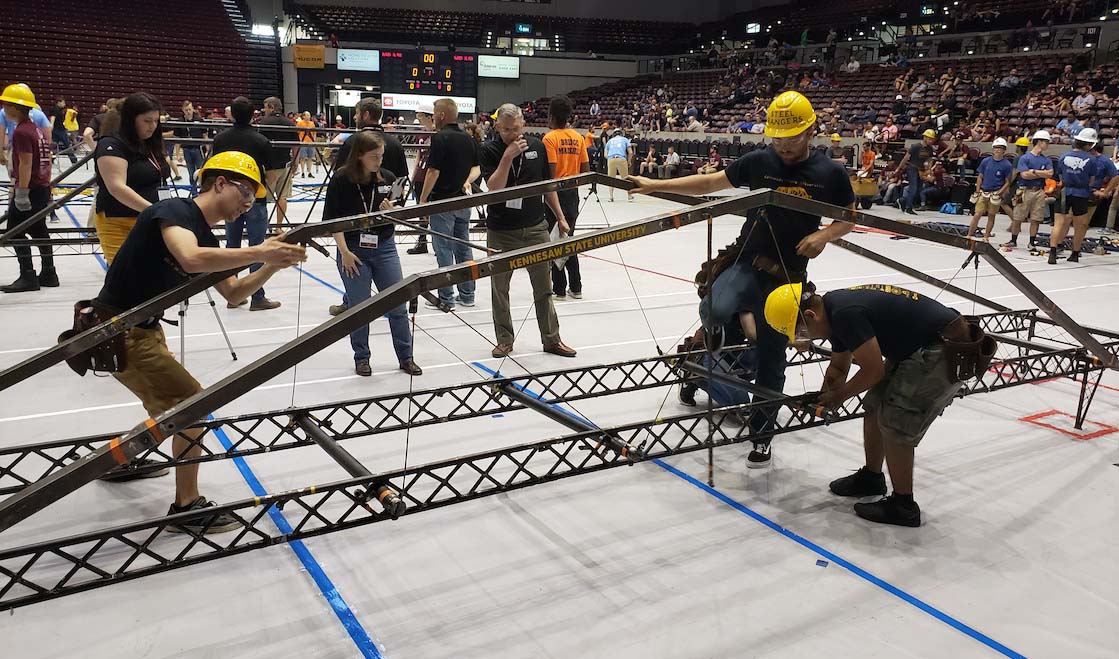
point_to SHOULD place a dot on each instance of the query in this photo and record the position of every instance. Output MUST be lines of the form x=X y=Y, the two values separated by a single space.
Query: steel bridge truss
x=1033 y=347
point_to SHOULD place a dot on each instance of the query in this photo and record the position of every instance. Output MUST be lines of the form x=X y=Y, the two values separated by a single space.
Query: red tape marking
x=1036 y=420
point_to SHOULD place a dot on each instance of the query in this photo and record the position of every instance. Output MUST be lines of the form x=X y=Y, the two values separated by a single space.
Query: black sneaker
x=1052 y=256
x=418 y=248
x=888 y=510
x=132 y=471
x=760 y=457
x=862 y=483
x=212 y=523
x=687 y=394
x=1074 y=257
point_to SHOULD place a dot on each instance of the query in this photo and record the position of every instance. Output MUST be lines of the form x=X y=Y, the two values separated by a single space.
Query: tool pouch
x=971 y=358
x=106 y=357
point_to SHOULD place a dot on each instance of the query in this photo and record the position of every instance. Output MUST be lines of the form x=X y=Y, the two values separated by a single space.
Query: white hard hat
x=426 y=108
x=338 y=117
x=1087 y=135
x=999 y=142
x=1042 y=135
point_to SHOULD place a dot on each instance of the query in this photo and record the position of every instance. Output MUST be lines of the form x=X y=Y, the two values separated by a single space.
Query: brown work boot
x=561 y=349
x=230 y=305
x=264 y=304
x=411 y=368
x=502 y=350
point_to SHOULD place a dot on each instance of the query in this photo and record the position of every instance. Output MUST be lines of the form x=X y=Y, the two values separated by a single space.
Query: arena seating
x=66 y=49
x=468 y=28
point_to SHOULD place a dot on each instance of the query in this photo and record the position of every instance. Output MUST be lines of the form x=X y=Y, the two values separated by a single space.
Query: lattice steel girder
x=266 y=432
x=154 y=431
x=55 y=568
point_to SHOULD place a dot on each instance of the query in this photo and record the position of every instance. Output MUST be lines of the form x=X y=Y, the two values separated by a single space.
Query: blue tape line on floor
x=346 y=616
x=811 y=546
x=321 y=281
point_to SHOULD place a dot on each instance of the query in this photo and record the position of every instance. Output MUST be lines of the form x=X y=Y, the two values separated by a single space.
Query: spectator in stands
x=280 y=172
x=1010 y=81
x=505 y=163
x=192 y=153
x=130 y=165
x=714 y=161
x=306 y=157
x=734 y=126
x=671 y=164
x=917 y=92
x=452 y=161
x=911 y=130
x=694 y=126
x=690 y=110
x=889 y=132
x=30 y=179
x=566 y=157
x=853 y=65
x=619 y=150
x=1069 y=125
x=649 y=164
x=870 y=113
x=1110 y=90
x=245 y=138
x=937 y=186
x=368 y=258
x=902 y=82
x=916 y=157
x=1084 y=100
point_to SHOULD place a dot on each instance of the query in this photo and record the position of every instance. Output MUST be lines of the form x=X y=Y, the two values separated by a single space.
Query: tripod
x=182 y=328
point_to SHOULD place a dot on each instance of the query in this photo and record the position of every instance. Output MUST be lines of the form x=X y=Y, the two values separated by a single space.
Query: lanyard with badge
x=514 y=176
x=367 y=238
x=165 y=191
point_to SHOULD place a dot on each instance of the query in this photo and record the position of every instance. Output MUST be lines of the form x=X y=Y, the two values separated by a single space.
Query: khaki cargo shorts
x=153 y=374
x=912 y=394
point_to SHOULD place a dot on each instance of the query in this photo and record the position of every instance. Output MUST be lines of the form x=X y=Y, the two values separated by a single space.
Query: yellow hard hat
x=1022 y=141
x=929 y=133
x=782 y=308
x=835 y=137
x=789 y=115
x=235 y=162
x=19 y=94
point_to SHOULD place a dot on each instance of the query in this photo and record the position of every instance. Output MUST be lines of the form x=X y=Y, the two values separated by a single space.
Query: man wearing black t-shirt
x=519 y=159
x=896 y=337
x=913 y=161
x=171 y=242
x=245 y=138
x=775 y=243
x=279 y=174
x=192 y=153
x=367 y=114
x=451 y=161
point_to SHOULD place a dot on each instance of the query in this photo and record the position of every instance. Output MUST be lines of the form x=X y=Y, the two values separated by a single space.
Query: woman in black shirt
x=131 y=165
x=368 y=257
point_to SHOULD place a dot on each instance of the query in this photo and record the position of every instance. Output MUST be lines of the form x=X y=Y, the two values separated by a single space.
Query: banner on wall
x=412 y=102
x=308 y=56
x=352 y=59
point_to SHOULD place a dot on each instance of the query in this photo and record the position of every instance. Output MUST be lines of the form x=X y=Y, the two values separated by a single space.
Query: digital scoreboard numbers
x=430 y=73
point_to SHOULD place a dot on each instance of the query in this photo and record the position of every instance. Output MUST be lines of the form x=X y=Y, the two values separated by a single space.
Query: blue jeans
x=912 y=191
x=377 y=266
x=255 y=221
x=742 y=366
x=448 y=252
x=740 y=289
x=193 y=157
x=62 y=142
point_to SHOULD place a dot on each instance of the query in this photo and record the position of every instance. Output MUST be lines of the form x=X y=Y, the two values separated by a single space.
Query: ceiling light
x=1087 y=45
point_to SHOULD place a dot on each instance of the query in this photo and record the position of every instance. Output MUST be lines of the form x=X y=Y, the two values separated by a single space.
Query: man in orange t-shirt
x=307 y=153
x=567 y=156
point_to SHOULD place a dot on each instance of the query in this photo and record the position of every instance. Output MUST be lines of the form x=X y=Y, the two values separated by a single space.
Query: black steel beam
x=33 y=499
x=390 y=500
x=559 y=416
x=22 y=227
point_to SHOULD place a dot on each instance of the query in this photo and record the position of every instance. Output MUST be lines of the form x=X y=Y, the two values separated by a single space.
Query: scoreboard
x=431 y=73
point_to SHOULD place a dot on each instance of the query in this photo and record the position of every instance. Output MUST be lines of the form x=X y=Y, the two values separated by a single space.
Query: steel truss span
x=1032 y=347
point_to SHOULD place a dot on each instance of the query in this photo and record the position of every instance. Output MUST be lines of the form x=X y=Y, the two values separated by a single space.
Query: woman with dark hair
x=131 y=165
x=368 y=257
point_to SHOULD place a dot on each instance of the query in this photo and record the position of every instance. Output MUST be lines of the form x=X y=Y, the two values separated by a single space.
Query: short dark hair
x=242 y=110
x=370 y=106
x=131 y=107
x=560 y=110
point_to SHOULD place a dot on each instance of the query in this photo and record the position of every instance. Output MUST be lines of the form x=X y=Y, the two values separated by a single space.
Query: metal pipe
x=554 y=413
x=388 y=497
x=21 y=228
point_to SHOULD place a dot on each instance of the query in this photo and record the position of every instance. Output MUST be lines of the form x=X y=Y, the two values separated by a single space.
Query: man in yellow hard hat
x=912 y=163
x=775 y=243
x=171 y=242
x=30 y=176
x=906 y=346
